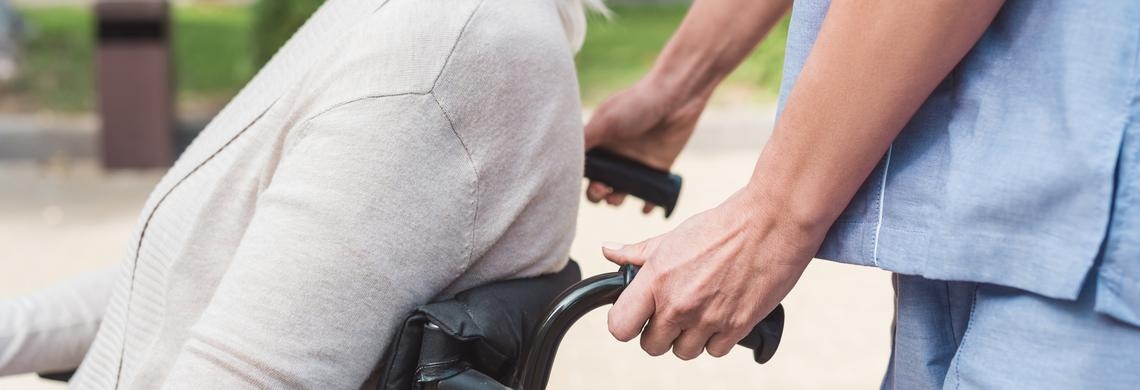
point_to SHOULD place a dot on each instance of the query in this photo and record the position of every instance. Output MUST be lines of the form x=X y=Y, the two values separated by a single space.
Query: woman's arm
x=873 y=65
x=51 y=330
x=367 y=216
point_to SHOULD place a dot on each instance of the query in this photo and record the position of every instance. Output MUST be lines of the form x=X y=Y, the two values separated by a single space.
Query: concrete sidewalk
x=25 y=137
x=61 y=217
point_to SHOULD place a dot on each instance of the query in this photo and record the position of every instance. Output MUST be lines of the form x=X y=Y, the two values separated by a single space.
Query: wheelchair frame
x=537 y=363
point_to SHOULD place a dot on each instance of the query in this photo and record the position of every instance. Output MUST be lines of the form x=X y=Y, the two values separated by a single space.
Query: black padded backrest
x=490 y=325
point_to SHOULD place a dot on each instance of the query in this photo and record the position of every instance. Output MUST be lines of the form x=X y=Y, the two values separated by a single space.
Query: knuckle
x=739 y=326
x=713 y=323
x=719 y=351
x=687 y=308
x=652 y=351
x=685 y=355
x=682 y=302
x=673 y=317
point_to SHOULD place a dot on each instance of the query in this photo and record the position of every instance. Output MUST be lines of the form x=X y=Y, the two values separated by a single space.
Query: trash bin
x=135 y=83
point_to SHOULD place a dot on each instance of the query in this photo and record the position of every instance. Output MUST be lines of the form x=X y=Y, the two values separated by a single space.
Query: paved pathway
x=26 y=137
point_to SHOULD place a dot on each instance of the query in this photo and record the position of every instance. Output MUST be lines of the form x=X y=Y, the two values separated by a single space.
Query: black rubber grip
x=765 y=336
x=632 y=177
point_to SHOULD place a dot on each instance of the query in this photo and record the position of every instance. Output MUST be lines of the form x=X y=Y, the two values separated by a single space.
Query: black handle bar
x=604 y=289
x=632 y=177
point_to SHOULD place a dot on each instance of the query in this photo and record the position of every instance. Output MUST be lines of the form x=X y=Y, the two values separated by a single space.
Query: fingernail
x=613 y=246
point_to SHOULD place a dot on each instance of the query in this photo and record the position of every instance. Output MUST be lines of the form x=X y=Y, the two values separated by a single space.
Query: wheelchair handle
x=635 y=178
x=604 y=289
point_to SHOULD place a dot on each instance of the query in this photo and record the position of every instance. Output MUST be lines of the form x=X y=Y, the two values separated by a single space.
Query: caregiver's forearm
x=715 y=36
x=874 y=63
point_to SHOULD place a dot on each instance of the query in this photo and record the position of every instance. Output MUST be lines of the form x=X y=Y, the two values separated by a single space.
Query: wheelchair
x=505 y=335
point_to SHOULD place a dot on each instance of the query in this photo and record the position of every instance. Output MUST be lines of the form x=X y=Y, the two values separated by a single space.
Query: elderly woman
x=392 y=153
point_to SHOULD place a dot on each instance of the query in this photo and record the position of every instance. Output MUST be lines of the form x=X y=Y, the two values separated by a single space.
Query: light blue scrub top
x=1022 y=168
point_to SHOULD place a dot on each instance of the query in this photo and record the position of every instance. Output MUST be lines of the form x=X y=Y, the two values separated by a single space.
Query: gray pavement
x=27 y=137
x=60 y=215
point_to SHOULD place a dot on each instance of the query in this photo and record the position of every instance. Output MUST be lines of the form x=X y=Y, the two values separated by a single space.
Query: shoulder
x=400 y=47
x=467 y=38
x=512 y=55
x=513 y=33
x=405 y=46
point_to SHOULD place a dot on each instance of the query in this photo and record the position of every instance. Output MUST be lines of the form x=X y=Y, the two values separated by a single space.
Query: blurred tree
x=274 y=21
x=10 y=28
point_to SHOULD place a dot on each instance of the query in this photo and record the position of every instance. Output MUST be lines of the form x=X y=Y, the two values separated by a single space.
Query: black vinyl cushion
x=490 y=325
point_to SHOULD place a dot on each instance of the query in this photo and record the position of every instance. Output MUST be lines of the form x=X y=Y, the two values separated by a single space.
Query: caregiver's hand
x=705 y=285
x=645 y=122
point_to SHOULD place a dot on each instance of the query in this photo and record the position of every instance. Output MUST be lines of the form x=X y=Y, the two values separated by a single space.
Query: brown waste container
x=134 y=80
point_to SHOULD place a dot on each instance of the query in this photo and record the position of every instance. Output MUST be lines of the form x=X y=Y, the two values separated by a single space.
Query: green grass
x=211 y=51
x=214 y=54
x=57 y=61
x=619 y=51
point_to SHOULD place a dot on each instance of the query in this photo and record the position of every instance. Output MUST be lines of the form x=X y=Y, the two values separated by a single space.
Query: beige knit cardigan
x=394 y=152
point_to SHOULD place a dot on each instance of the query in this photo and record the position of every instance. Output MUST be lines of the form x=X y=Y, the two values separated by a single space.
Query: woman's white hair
x=573 y=14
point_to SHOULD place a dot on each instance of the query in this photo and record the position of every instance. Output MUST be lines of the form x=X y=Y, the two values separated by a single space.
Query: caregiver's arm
x=652 y=120
x=720 y=272
x=873 y=65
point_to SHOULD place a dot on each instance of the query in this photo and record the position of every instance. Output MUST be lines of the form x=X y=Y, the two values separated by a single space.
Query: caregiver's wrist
x=772 y=204
x=683 y=78
x=753 y=221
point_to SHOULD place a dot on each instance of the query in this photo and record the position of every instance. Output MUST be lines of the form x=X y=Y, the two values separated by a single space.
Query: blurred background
x=96 y=101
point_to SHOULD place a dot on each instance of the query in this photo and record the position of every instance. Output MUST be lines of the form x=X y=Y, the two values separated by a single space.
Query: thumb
x=595 y=131
x=622 y=254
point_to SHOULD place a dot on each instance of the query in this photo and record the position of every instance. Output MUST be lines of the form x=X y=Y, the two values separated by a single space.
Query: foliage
x=274 y=21
x=211 y=46
x=619 y=51
x=218 y=48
